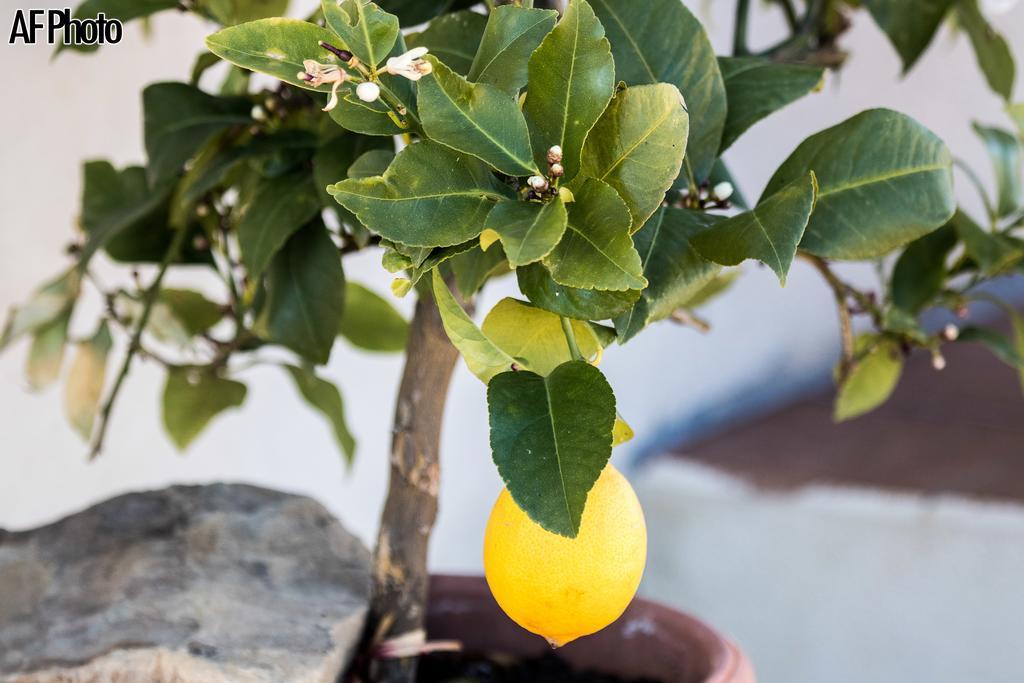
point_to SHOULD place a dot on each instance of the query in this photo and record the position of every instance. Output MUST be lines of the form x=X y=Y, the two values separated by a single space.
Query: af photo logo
x=57 y=26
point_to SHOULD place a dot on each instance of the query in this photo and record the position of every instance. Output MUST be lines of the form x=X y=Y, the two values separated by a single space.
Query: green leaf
x=1016 y=112
x=674 y=270
x=883 y=181
x=46 y=354
x=637 y=146
x=370 y=322
x=535 y=336
x=429 y=196
x=871 y=381
x=415 y=12
x=550 y=438
x=279 y=208
x=375 y=162
x=483 y=357
x=304 y=295
x=993 y=53
x=511 y=36
x=757 y=87
x=123 y=10
x=910 y=26
x=196 y=313
x=333 y=159
x=581 y=304
x=365 y=29
x=572 y=79
x=475 y=118
x=190 y=401
x=665 y=43
x=920 y=272
x=528 y=230
x=994 y=253
x=596 y=251
x=474 y=267
x=231 y=12
x=1000 y=346
x=770 y=232
x=454 y=38
x=50 y=301
x=179 y=119
x=325 y=397
x=84 y=385
x=1007 y=154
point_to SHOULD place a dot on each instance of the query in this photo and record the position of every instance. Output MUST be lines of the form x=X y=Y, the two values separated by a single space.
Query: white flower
x=722 y=191
x=368 y=91
x=317 y=74
x=997 y=7
x=411 y=64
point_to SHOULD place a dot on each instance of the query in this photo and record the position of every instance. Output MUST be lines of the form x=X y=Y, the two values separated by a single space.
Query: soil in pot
x=459 y=667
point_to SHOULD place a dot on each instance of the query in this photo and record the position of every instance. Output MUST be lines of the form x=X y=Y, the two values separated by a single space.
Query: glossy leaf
x=665 y=43
x=757 y=87
x=454 y=38
x=582 y=304
x=550 y=438
x=475 y=118
x=483 y=357
x=365 y=29
x=279 y=208
x=572 y=79
x=991 y=49
x=84 y=385
x=46 y=353
x=190 y=401
x=883 y=181
x=325 y=397
x=370 y=322
x=596 y=251
x=921 y=271
x=334 y=158
x=1007 y=154
x=304 y=295
x=871 y=381
x=511 y=36
x=910 y=26
x=528 y=230
x=637 y=147
x=429 y=196
x=675 y=271
x=536 y=336
x=770 y=232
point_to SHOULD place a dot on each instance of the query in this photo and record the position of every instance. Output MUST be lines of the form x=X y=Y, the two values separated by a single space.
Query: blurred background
x=876 y=551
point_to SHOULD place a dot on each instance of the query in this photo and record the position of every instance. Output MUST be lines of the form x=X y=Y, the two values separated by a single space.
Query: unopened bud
x=368 y=91
x=938 y=361
x=343 y=55
x=950 y=332
x=258 y=113
x=554 y=154
x=722 y=191
x=557 y=170
x=538 y=183
x=202 y=210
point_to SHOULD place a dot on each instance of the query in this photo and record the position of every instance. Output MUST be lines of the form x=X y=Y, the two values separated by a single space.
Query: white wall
x=57 y=113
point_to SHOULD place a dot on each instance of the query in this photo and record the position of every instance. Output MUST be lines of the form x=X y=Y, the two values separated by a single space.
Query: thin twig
x=790 y=11
x=842 y=292
x=739 y=36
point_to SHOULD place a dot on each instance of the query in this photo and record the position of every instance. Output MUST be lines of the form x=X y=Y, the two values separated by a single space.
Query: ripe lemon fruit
x=564 y=588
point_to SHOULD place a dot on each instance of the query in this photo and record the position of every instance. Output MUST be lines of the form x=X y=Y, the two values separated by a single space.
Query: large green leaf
x=325 y=397
x=883 y=181
x=757 y=87
x=596 y=251
x=511 y=36
x=279 y=208
x=84 y=385
x=332 y=160
x=871 y=380
x=674 y=270
x=304 y=295
x=994 y=253
x=910 y=25
x=572 y=79
x=920 y=272
x=50 y=301
x=365 y=29
x=582 y=304
x=483 y=357
x=770 y=232
x=1007 y=154
x=475 y=118
x=550 y=438
x=994 y=55
x=637 y=147
x=190 y=401
x=370 y=322
x=454 y=38
x=179 y=119
x=429 y=196
x=528 y=230
x=536 y=336
x=665 y=43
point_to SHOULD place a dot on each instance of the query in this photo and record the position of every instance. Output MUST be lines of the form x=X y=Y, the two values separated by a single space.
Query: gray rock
x=188 y=584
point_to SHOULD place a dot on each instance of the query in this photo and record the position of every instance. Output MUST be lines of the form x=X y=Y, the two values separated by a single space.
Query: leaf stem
x=739 y=38
x=136 y=340
x=570 y=338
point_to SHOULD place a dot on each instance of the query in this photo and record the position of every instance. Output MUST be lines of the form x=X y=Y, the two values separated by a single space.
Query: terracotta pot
x=648 y=641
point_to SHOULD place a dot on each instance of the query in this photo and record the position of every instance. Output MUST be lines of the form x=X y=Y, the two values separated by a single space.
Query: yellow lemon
x=564 y=588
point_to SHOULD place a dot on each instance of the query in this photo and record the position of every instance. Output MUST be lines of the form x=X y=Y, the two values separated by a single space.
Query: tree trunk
x=400 y=567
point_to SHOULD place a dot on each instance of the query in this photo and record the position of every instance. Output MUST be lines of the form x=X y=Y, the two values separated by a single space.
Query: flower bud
x=722 y=191
x=557 y=170
x=538 y=183
x=368 y=91
x=938 y=361
x=950 y=332
x=554 y=154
